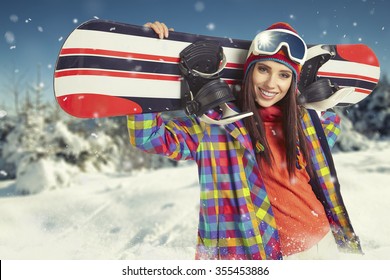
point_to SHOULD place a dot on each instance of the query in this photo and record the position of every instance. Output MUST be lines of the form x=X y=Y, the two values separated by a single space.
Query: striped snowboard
x=108 y=69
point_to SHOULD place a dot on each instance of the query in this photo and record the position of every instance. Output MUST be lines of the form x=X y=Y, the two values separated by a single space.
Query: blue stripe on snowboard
x=120 y=64
x=351 y=83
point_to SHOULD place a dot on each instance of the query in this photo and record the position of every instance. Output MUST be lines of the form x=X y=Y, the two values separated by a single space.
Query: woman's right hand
x=160 y=28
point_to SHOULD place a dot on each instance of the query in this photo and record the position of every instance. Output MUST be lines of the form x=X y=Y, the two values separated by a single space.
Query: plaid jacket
x=236 y=219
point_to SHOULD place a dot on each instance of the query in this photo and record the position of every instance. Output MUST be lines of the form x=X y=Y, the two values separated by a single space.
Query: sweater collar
x=271 y=114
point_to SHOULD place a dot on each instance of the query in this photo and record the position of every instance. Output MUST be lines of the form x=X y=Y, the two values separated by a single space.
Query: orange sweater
x=299 y=215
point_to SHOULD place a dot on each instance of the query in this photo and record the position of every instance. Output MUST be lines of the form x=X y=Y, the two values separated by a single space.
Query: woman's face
x=271 y=82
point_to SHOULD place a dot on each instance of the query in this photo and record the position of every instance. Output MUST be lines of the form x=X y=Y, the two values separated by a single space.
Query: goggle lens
x=270 y=42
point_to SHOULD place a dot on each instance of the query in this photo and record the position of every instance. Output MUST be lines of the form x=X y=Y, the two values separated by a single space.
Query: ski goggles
x=269 y=42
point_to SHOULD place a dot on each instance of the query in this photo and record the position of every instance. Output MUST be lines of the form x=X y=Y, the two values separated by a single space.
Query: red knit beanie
x=280 y=56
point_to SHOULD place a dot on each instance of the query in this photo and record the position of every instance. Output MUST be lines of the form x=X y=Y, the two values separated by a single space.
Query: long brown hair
x=291 y=124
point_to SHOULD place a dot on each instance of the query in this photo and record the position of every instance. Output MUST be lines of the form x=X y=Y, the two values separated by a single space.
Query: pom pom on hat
x=280 y=56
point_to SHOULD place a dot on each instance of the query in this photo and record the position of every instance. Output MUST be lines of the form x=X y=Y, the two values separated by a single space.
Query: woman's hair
x=291 y=124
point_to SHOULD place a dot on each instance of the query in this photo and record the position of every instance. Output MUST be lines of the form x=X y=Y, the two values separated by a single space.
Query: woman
x=268 y=185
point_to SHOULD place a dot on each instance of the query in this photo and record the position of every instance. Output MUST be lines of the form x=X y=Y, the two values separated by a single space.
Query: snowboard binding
x=204 y=90
x=319 y=94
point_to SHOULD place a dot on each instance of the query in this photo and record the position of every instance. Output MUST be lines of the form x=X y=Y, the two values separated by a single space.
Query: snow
x=104 y=216
x=154 y=214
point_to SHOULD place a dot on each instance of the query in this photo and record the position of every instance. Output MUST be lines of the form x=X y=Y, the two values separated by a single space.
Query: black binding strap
x=317 y=91
x=310 y=68
x=209 y=96
x=203 y=89
x=310 y=87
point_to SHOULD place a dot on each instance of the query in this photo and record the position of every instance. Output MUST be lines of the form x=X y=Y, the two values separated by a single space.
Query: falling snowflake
x=60 y=39
x=292 y=16
x=210 y=26
x=75 y=20
x=14 y=18
x=354 y=24
x=28 y=20
x=40 y=28
x=199 y=6
x=9 y=37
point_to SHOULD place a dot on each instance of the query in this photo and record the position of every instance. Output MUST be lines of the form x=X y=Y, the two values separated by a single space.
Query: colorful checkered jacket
x=236 y=219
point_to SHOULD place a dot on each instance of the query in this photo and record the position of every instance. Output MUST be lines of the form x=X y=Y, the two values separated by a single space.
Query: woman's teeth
x=267 y=93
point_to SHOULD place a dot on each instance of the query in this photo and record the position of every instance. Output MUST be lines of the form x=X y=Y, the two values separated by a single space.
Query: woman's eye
x=285 y=75
x=262 y=69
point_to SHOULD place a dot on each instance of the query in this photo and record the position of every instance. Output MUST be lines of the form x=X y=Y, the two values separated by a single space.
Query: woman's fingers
x=160 y=28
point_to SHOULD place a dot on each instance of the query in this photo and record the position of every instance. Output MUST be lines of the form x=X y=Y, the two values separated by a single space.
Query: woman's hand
x=160 y=28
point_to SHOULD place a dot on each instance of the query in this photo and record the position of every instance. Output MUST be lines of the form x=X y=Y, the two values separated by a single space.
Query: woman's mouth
x=267 y=94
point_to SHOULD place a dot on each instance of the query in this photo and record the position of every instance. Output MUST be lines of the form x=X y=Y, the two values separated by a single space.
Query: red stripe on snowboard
x=97 y=105
x=362 y=90
x=358 y=53
x=134 y=75
x=351 y=76
x=127 y=55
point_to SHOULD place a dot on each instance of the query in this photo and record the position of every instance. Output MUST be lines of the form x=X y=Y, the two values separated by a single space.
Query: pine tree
x=371 y=116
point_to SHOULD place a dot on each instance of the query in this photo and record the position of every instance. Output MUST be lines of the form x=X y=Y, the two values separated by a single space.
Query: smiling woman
x=271 y=81
x=265 y=180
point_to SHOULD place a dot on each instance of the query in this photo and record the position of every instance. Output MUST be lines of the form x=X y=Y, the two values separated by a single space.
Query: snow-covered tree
x=53 y=151
x=349 y=139
x=371 y=116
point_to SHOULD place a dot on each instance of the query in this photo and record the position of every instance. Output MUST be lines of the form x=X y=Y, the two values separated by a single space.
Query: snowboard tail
x=109 y=69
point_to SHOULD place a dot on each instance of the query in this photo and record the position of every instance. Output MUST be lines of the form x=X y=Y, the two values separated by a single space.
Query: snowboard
x=107 y=69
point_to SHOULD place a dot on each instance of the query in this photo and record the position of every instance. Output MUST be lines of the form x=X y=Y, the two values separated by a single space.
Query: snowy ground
x=153 y=215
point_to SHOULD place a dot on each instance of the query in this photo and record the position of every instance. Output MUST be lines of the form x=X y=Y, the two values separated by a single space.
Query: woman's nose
x=271 y=81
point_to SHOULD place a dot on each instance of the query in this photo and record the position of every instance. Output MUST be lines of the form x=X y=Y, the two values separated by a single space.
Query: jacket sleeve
x=177 y=139
x=331 y=125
